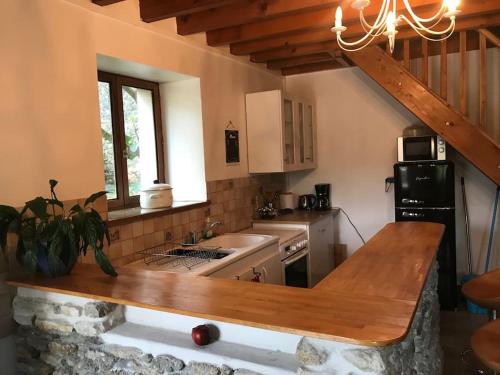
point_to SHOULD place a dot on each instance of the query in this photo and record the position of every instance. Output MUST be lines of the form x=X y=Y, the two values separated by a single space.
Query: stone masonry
x=418 y=354
x=63 y=339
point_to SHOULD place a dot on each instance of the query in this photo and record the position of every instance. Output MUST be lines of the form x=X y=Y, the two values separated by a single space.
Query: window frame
x=116 y=82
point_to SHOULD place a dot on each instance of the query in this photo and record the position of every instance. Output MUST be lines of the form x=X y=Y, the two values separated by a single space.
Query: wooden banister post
x=425 y=62
x=443 y=87
x=463 y=72
x=482 y=80
x=406 y=54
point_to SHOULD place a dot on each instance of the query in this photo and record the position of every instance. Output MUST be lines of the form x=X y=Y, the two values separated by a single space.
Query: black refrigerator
x=425 y=191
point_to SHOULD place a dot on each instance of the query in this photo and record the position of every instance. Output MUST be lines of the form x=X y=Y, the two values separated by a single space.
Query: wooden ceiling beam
x=300 y=22
x=309 y=68
x=301 y=60
x=105 y=2
x=354 y=32
x=155 y=10
x=286 y=53
x=246 y=12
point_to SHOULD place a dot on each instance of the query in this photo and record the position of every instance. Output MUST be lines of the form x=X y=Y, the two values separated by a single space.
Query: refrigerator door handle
x=412 y=201
x=412 y=214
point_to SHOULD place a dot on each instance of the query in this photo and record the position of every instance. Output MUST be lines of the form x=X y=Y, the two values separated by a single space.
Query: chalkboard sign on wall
x=232 y=146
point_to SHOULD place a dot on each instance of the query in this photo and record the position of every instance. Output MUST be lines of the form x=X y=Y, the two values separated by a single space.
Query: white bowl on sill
x=156 y=196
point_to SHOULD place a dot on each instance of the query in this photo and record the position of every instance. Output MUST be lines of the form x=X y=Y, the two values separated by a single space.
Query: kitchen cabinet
x=262 y=266
x=281 y=133
x=321 y=249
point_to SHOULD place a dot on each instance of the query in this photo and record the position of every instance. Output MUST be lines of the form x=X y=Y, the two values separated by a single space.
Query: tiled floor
x=456 y=330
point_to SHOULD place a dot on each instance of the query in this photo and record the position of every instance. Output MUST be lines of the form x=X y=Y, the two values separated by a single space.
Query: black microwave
x=422 y=148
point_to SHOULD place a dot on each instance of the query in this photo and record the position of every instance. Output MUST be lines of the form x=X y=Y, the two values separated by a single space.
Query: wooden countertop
x=369 y=300
x=299 y=217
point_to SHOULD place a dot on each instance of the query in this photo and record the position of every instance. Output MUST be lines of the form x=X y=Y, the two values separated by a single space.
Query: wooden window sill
x=130 y=215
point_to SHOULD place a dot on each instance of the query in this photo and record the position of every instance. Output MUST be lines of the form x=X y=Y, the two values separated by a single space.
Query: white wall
x=50 y=117
x=358 y=123
x=182 y=115
x=357 y=127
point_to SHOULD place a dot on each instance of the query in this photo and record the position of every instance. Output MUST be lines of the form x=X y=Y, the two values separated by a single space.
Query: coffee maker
x=323 y=197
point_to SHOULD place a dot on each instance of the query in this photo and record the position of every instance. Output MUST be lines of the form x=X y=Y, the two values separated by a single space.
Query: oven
x=295 y=262
x=421 y=148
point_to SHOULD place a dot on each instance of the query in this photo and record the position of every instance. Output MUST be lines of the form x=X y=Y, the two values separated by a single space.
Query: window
x=132 y=138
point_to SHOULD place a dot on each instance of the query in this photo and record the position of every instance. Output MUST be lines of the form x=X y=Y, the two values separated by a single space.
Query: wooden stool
x=486 y=344
x=484 y=290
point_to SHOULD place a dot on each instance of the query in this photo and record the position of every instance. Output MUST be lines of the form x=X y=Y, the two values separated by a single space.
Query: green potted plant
x=51 y=239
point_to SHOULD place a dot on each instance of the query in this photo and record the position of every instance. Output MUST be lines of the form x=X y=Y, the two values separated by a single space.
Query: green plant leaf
x=55 y=202
x=39 y=207
x=104 y=263
x=76 y=208
x=94 y=197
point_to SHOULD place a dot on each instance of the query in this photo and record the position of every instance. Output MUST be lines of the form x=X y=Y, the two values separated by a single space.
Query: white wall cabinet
x=281 y=133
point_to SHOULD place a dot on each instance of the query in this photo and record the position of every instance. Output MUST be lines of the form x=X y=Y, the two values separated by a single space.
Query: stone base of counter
x=44 y=353
x=57 y=337
x=65 y=335
x=418 y=354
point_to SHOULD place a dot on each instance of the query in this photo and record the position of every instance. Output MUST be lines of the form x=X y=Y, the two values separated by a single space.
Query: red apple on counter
x=201 y=335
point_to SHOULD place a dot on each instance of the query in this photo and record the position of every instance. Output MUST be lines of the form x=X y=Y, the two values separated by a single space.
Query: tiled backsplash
x=232 y=203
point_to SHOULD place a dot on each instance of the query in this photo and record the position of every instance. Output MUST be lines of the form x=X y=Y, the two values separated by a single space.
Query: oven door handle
x=296 y=257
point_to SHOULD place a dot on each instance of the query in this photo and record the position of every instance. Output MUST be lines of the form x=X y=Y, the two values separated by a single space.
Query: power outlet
x=114 y=234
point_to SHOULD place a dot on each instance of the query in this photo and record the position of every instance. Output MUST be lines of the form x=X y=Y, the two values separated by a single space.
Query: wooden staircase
x=432 y=108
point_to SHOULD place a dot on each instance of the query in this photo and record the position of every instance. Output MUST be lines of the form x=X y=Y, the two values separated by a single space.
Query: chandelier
x=388 y=19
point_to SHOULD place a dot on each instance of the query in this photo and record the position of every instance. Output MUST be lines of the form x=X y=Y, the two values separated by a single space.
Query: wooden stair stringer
x=473 y=143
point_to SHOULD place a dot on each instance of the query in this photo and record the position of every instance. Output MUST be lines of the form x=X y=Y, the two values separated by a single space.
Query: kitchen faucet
x=192 y=237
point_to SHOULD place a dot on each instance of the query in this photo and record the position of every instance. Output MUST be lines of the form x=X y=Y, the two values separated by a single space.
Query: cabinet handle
x=264 y=274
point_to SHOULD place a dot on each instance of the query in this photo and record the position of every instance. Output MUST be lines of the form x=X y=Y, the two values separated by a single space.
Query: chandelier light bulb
x=338 y=28
x=391 y=23
x=452 y=5
x=338 y=17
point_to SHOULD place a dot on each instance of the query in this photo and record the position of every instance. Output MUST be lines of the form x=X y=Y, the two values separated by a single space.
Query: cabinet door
x=268 y=271
x=321 y=249
x=288 y=135
x=265 y=113
x=266 y=262
x=301 y=133
x=309 y=136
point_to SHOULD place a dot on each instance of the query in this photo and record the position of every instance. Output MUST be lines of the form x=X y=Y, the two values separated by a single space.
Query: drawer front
x=234 y=269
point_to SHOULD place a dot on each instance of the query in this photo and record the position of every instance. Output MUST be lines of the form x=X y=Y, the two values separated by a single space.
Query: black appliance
x=425 y=191
x=307 y=202
x=323 y=196
x=421 y=148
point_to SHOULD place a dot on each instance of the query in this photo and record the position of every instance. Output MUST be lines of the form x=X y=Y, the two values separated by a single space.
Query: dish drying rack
x=174 y=255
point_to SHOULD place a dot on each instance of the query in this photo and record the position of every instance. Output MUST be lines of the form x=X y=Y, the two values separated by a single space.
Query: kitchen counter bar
x=303 y=217
x=369 y=300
